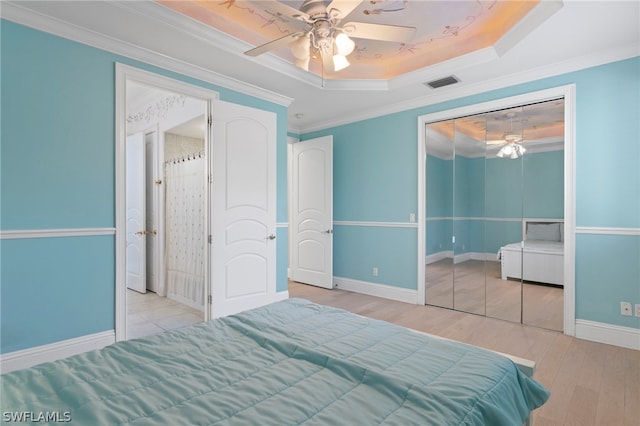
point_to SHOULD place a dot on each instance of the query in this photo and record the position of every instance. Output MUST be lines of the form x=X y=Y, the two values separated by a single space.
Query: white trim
x=281 y=295
x=467 y=90
x=24 y=16
x=54 y=233
x=376 y=224
x=617 y=335
x=25 y=358
x=607 y=231
x=282 y=225
x=491 y=219
x=569 y=281
x=421 y=244
x=436 y=257
x=568 y=93
x=374 y=289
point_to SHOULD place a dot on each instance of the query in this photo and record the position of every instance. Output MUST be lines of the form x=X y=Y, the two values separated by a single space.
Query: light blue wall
x=55 y=289
x=543 y=185
x=375 y=173
x=532 y=186
x=352 y=244
x=58 y=171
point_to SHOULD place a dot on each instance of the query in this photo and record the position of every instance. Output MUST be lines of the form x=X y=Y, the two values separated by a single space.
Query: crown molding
x=462 y=89
x=22 y=15
x=540 y=13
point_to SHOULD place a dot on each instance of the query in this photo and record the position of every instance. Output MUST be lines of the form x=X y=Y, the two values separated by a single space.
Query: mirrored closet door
x=439 y=226
x=495 y=208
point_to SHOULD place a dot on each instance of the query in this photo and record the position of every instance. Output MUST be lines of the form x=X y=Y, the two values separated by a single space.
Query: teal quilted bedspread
x=288 y=363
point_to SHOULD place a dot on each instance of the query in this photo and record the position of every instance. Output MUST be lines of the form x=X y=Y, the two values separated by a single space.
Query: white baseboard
x=378 y=290
x=281 y=295
x=25 y=358
x=616 y=335
x=435 y=257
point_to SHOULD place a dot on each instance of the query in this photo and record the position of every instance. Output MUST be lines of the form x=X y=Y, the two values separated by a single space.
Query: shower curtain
x=185 y=225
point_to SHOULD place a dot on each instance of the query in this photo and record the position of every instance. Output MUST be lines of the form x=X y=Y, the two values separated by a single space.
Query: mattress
x=537 y=246
x=291 y=362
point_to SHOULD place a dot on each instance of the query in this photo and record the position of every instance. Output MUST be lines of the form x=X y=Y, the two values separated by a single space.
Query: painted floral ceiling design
x=445 y=29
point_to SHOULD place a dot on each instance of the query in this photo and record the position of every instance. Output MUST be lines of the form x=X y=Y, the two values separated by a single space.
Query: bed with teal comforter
x=288 y=363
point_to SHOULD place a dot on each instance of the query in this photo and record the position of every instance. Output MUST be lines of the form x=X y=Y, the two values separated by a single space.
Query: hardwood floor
x=590 y=383
x=149 y=314
x=480 y=290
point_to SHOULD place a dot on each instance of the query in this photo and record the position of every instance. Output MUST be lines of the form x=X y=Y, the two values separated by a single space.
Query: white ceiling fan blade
x=282 y=41
x=379 y=31
x=345 y=7
x=283 y=9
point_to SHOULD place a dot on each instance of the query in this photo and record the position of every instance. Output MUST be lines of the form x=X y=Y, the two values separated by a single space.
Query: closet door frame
x=568 y=93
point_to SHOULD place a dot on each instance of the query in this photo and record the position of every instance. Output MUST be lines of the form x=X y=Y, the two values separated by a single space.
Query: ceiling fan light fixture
x=340 y=62
x=511 y=150
x=344 y=44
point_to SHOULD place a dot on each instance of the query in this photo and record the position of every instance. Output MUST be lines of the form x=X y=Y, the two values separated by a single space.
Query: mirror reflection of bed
x=490 y=179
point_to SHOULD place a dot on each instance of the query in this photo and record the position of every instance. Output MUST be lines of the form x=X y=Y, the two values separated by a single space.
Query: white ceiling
x=579 y=35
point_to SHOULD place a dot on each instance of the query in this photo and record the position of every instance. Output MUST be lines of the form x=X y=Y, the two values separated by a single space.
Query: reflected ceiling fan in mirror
x=511 y=142
x=324 y=35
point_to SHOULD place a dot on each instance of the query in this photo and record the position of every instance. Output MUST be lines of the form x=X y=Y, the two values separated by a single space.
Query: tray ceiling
x=445 y=30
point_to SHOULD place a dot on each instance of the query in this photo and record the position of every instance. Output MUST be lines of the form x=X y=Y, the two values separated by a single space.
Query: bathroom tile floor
x=148 y=313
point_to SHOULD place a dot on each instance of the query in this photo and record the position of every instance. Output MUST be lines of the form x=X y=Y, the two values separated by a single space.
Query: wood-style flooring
x=590 y=383
x=476 y=287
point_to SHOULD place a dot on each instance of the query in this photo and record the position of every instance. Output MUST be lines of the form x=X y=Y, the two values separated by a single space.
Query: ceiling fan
x=325 y=35
x=511 y=143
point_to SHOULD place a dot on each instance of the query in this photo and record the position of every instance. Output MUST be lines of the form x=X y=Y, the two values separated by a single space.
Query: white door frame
x=126 y=73
x=568 y=93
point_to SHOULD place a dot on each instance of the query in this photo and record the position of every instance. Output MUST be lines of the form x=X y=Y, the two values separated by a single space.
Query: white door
x=135 y=206
x=312 y=212
x=152 y=189
x=243 y=208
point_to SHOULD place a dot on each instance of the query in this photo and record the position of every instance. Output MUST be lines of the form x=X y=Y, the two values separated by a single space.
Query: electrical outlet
x=375 y=274
x=625 y=309
x=638 y=309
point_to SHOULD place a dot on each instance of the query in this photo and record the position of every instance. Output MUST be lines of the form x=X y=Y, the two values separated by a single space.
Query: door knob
x=271 y=237
x=329 y=231
x=141 y=232
x=154 y=232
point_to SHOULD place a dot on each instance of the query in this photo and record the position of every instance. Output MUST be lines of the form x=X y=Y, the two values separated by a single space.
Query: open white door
x=243 y=208
x=136 y=218
x=312 y=212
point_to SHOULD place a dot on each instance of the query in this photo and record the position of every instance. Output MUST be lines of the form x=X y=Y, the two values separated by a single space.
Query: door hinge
x=210 y=178
x=210 y=299
x=209 y=239
x=210 y=120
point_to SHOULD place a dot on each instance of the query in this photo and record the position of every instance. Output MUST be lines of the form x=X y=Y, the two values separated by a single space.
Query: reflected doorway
x=165 y=181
